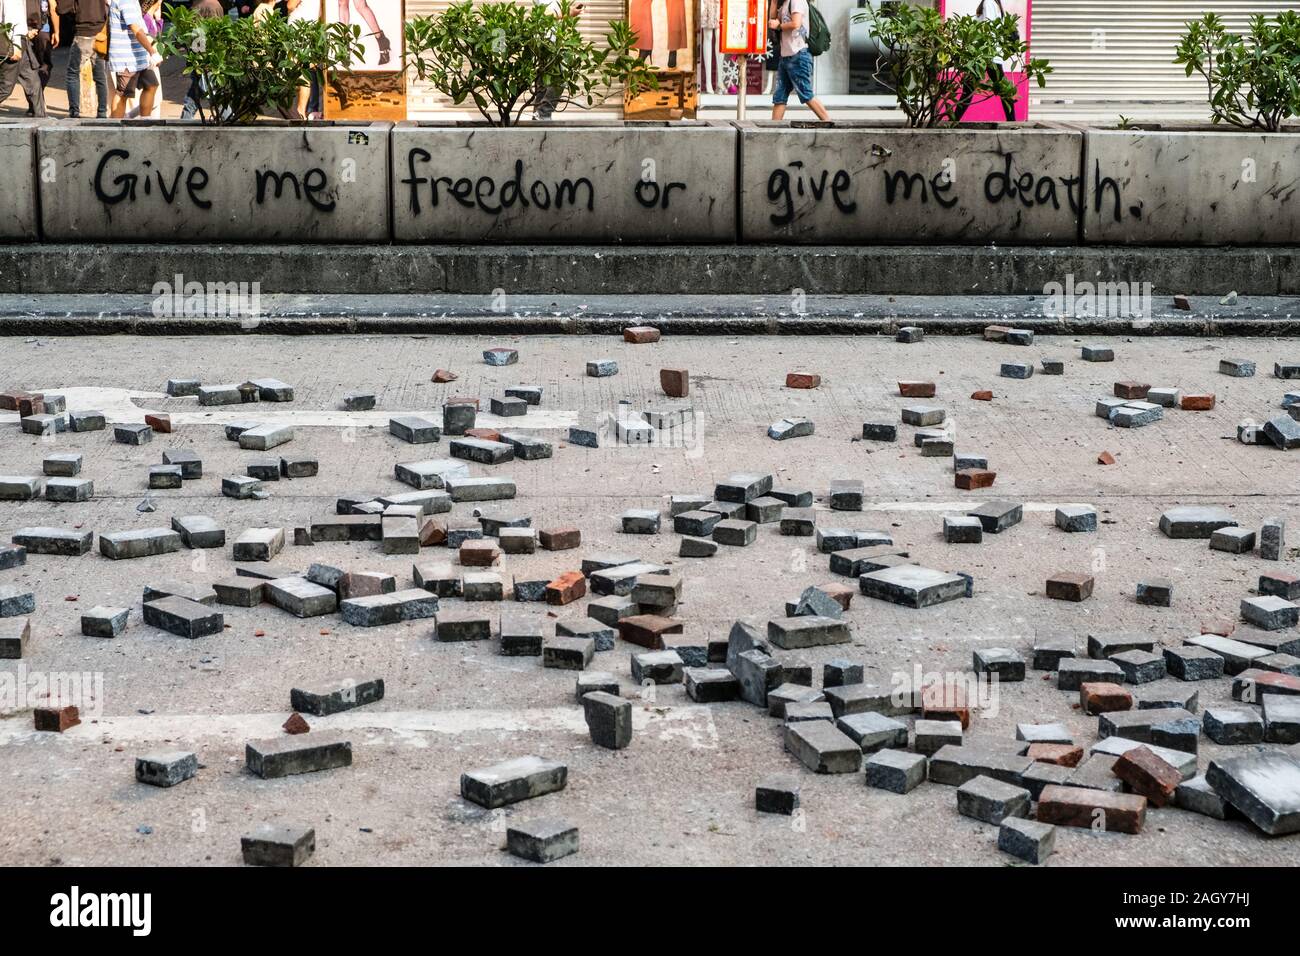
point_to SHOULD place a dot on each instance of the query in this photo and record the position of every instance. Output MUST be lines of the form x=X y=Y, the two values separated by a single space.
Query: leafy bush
x=1253 y=81
x=248 y=64
x=509 y=57
x=939 y=67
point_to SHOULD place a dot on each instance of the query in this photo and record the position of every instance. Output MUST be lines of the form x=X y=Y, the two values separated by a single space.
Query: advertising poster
x=666 y=38
x=374 y=87
x=992 y=109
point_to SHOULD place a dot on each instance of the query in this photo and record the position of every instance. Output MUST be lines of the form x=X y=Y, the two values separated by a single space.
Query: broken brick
x=1092 y=809
x=675 y=382
x=567 y=588
x=1197 y=403
x=159 y=423
x=296 y=724
x=1148 y=775
x=1064 y=755
x=56 y=719
x=1131 y=390
x=983 y=395
x=1069 y=586
x=640 y=334
x=968 y=479
x=647 y=630
x=442 y=376
x=802 y=380
x=1105 y=458
x=1097 y=697
x=916 y=389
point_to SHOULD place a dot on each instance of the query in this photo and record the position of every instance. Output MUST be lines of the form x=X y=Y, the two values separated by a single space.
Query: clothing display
x=641 y=19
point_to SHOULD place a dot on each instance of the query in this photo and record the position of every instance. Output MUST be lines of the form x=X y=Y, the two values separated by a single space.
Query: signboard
x=373 y=87
x=991 y=109
x=743 y=29
x=666 y=39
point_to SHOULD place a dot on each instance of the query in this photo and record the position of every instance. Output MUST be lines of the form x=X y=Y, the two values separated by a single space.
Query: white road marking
x=956 y=507
x=120 y=408
x=692 y=723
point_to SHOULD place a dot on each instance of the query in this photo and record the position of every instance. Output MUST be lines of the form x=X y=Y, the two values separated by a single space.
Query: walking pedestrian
x=795 y=69
x=131 y=53
x=91 y=25
x=18 y=62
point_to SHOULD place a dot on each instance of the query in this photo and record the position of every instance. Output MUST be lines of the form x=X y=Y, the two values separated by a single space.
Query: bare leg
x=815 y=105
x=368 y=15
x=147 y=97
x=778 y=111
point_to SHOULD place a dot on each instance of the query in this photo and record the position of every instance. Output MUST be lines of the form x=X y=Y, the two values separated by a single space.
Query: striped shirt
x=125 y=54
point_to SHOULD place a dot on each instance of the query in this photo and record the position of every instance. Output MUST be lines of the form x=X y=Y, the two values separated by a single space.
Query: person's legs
x=8 y=78
x=192 y=97
x=73 y=78
x=781 y=94
x=29 y=75
x=103 y=83
x=800 y=77
x=123 y=88
x=150 y=83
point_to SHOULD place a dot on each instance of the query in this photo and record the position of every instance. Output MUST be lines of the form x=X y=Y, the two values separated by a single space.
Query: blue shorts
x=794 y=73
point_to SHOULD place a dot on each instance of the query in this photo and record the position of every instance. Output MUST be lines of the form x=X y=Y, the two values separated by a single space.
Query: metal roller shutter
x=1123 y=50
x=423 y=102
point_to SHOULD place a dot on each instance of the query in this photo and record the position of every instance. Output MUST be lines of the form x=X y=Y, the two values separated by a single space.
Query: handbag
x=101 y=38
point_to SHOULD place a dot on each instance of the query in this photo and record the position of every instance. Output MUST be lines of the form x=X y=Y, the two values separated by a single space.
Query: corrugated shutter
x=1124 y=49
x=423 y=102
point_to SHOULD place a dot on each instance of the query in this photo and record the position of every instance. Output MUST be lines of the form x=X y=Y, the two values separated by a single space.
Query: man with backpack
x=795 y=68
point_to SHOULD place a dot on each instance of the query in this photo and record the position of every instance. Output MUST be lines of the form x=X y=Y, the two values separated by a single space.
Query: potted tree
x=511 y=175
x=242 y=170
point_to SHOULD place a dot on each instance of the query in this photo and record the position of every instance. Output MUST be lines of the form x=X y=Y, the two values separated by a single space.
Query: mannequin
x=640 y=17
x=710 y=13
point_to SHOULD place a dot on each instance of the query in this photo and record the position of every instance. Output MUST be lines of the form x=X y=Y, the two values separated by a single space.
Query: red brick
x=945 y=701
x=970 y=478
x=57 y=719
x=996 y=333
x=802 y=380
x=462 y=400
x=640 y=334
x=1148 y=775
x=983 y=395
x=842 y=594
x=9 y=400
x=559 y=539
x=916 y=389
x=1260 y=681
x=648 y=630
x=442 y=376
x=432 y=532
x=676 y=382
x=1222 y=628
x=487 y=434
x=1105 y=458
x=1065 y=755
x=567 y=588
x=1101 y=809
x=1131 y=390
x=31 y=405
x=1068 y=586
x=1102 y=697
x=159 y=423
x=296 y=724
x=478 y=553
x=1198 y=403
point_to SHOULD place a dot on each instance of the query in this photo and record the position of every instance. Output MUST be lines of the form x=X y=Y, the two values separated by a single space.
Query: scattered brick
x=802 y=380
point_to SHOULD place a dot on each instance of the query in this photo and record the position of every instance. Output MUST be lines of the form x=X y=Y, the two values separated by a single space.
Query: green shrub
x=509 y=57
x=1252 y=81
x=939 y=67
x=248 y=64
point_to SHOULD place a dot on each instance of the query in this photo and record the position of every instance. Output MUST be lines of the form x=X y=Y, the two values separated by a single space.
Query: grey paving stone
x=86 y=421
x=1237 y=367
x=264 y=437
x=375 y=610
x=998 y=516
x=922 y=415
x=183 y=617
x=258 y=544
x=1195 y=521
x=166 y=768
x=1055 y=733
x=522 y=636
x=198 y=591
x=139 y=543
x=609 y=719
x=568 y=653
x=1006 y=663
x=414 y=429
x=913 y=586
x=880 y=431
x=602 y=368
x=873 y=731
x=810 y=631
x=706 y=685
x=1075 y=518
x=788 y=693
x=480 y=489
x=12 y=556
x=1052 y=366
x=930 y=736
x=697 y=548
x=1233 y=540
x=300 y=597
x=1027 y=840
x=1072 y=672
x=822 y=748
x=463 y=626
x=895 y=770
x=962 y=529
x=240 y=487
x=1140 y=667
x=542 y=841
x=777 y=794
x=870 y=698
x=458 y=417
x=953 y=765
x=657 y=667
x=278 y=845
x=1049 y=651
x=528 y=447
x=1272 y=539
x=15 y=632
x=240 y=592
x=1281 y=718
x=589 y=681
x=303 y=753
x=1193 y=663
x=838 y=672
x=1165 y=397
x=1102 y=646
x=847 y=494
x=1269 y=612
x=1228 y=726
x=1283 y=431
x=991 y=801
x=1264 y=786
x=735 y=532
x=757 y=674
x=1016 y=369
x=358 y=401
x=1155 y=592
x=1097 y=353
x=190 y=464
x=103 y=621
x=640 y=521
x=790 y=428
x=1169 y=727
